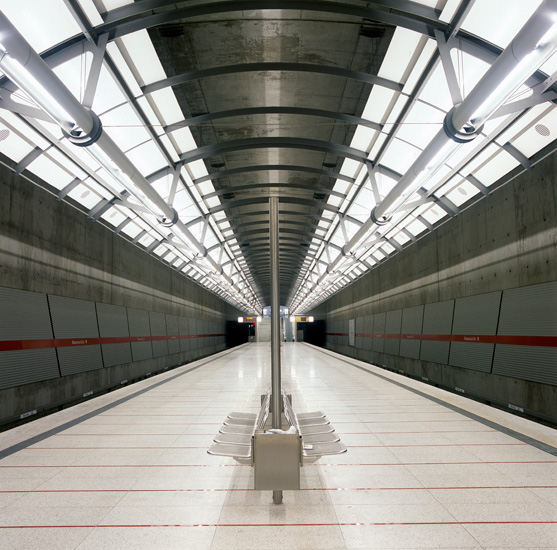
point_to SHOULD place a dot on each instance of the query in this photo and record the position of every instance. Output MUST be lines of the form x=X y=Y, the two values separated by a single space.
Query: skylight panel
x=73 y=73
x=124 y=127
x=362 y=138
x=147 y=158
x=165 y=102
x=14 y=147
x=433 y=214
x=334 y=201
x=212 y=202
x=142 y=54
x=469 y=70
x=170 y=147
x=50 y=172
x=379 y=104
x=108 y=94
x=85 y=196
x=205 y=187
x=113 y=4
x=399 y=156
x=66 y=163
x=146 y=240
x=349 y=167
x=384 y=183
x=50 y=24
x=182 y=200
x=12 y=122
x=540 y=134
x=416 y=227
x=184 y=139
x=401 y=238
x=449 y=10
x=377 y=146
x=496 y=167
x=399 y=104
x=114 y=216
x=436 y=91
x=419 y=66
x=510 y=16
x=421 y=124
x=462 y=193
x=402 y=51
x=198 y=169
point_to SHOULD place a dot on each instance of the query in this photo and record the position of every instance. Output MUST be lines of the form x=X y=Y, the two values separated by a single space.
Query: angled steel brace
x=444 y=47
x=94 y=74
x=7 y=103
x=373 y=181
x=522 y=104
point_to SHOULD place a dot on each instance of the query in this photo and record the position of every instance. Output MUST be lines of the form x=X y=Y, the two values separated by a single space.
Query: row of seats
x=235 y=435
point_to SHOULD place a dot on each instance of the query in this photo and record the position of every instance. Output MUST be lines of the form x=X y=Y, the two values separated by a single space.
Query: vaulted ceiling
x=326 y=105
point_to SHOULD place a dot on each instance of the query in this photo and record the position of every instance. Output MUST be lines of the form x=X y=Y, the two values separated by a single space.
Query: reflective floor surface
x=424 y=468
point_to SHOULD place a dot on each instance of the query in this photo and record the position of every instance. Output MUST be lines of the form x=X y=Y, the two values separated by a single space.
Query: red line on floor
x=498 y=487
x=244 y=465
x=363 y=524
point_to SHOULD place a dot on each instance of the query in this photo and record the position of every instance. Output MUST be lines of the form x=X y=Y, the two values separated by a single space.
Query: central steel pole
x=275 y=322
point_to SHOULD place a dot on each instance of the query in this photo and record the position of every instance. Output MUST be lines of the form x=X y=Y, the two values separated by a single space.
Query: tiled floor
x=129 y=470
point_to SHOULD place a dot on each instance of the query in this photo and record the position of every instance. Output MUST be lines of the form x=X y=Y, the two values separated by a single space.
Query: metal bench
x=235 y=435
x=318 y=435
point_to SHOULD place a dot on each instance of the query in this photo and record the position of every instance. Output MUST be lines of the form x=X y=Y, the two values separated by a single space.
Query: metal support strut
x=276 y=404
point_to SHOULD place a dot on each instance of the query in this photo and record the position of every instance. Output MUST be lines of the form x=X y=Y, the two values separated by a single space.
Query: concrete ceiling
x=246 y=177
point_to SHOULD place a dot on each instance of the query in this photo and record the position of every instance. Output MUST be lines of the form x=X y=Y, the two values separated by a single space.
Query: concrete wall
x=48 y=246
x=505 y=241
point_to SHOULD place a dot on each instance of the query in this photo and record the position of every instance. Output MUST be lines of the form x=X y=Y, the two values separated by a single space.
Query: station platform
x=424 y=469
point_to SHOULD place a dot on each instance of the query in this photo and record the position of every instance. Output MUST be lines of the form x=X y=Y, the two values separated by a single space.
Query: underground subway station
x=278 y=274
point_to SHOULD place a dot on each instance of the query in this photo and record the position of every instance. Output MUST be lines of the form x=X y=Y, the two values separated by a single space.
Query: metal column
x=275 y=323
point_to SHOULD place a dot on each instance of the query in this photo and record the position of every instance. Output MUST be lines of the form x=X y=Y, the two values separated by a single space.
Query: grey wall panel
x=368 y=329
x=173 y=330
x=25 y=366
x=526 y=362
x=471 y=356
x=79 y=359
x=24 y=315
x=138 y=322
x=412 y=318
x=193 y=332
x=393 y=322
x=438 y=319
x=72 y=318
x=113 y=322
x=529 y=311
x=477 y=314
x=158 y=328
x=359 y=341
x=379 y=328
x=183 y=327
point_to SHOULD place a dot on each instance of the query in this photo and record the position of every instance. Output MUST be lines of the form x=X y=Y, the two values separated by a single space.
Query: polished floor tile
x=417 y=474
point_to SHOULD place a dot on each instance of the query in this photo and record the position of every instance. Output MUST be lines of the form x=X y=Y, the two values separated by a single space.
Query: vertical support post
x=275 y=323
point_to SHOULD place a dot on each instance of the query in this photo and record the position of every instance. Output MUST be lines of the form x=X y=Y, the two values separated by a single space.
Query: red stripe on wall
x=542 y=341
x=12 y=345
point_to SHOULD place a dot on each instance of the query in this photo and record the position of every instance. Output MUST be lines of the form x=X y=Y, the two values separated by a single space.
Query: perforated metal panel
x=75 y=319
x=23 y=315
x=173 y=330
x=158 y=328
x=113 y=322
x=26 y=366
x=538 y=364
x=193 y=332
x=359 y=341
x=438 y=319
x=379 y=328
x=368 y=329
x=138 y=322
x=411 y=324
x=184 y=331
x=80 y=359
x=393 y=322
x=475 y=315
x=529 y=311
